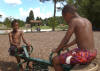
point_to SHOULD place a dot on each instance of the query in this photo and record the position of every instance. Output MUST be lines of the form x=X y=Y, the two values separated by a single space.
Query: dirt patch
x=43 y=43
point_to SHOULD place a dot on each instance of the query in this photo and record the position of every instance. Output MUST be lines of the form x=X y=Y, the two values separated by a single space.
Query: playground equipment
x=42 y=65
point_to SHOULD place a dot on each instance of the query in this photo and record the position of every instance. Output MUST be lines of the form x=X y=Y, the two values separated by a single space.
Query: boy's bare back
x=83 y=33
x=83 y=38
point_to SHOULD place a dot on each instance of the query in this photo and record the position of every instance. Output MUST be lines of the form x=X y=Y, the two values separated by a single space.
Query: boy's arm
x=10 y=40
x=66 y=38
x=24 y=38
x=70 y=44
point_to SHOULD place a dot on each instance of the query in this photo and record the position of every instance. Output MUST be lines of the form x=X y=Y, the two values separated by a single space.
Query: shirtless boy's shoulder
x=19 y=32
x=80 y=21
x=77 y=20
x=10 y=33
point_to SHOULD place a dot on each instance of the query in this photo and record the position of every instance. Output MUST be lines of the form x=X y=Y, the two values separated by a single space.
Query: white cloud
x=41 y=3
x=36 y=12
x=14 y=2
x=3 y=16
x=59 y=4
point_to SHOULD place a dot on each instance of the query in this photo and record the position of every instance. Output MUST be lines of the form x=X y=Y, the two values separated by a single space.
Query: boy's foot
x=30 y=65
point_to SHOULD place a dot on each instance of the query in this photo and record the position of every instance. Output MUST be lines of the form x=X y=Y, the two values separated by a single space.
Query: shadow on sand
x=8 y=66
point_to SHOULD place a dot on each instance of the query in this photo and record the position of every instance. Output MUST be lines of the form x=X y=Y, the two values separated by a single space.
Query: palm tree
x=54 y=1
x=0 y=16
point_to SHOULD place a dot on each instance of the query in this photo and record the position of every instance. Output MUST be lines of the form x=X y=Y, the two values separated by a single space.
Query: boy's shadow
x=8 y=66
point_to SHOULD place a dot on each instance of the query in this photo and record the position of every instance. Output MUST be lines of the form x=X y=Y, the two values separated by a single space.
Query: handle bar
x=51 y=55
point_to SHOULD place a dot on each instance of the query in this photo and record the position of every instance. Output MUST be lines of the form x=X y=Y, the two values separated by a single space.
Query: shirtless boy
x=15 y=40
x=82 y=28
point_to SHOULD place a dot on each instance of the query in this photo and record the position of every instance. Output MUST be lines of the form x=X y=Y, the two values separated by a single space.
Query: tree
x=27 y=20
x=7 y=22
x=52 y=22
x=54 y=1
x=21 y=23
x=0 y=16
x=91 y=10
x=30 y=17
x=60 y=20
x=45 y=21
x=37 y=18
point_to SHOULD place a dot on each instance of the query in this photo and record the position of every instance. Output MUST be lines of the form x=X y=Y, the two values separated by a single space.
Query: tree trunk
x=31 y=27
x=0 y=16
x=53 y=26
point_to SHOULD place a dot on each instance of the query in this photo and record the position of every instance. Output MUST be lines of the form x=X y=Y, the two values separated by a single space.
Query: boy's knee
x=18 y=59
x=28 y=48
x=56 y=60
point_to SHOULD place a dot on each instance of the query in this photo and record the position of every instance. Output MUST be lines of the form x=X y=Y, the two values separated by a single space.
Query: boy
x=15 y=40
x=82 y=28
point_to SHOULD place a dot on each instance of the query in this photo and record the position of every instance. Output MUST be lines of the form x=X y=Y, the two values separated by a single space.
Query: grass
x=35 y=27
x=0 y=24
x=41 y=27
x=62 y=27
x=45 y=27
x=5 y=28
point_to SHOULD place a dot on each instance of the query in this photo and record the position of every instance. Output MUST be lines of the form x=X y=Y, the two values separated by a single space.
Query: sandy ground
x=43 y=43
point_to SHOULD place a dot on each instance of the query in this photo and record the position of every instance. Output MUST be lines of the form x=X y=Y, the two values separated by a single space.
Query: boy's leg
x=28 y=48
x=30 y=63
x=18 y=61
x=56 y=63
x=62 y=59
x=83 y=57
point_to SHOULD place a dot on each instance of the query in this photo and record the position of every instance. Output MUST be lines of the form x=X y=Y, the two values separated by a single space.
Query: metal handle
x=50 y=58
x=25 y=50
x=31 y=49
x=51 y=55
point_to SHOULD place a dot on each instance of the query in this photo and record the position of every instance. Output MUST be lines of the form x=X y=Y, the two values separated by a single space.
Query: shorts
x=13 y=51
x=77 y=56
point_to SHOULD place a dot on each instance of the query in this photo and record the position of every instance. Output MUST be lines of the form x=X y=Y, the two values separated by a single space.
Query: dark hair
x=68 y=8
x=13 y=22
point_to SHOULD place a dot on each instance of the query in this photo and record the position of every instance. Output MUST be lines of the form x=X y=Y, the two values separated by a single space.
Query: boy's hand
x=64 y=48
x=54 y=50
x=29 y=44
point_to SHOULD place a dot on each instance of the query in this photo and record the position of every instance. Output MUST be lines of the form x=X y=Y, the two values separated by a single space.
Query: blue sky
x=20 y=9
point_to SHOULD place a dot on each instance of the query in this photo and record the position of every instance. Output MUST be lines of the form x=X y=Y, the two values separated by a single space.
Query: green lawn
x=45 y=27
x=0 y=24
x=41 y=27
x=1 y=28
x=62 y=27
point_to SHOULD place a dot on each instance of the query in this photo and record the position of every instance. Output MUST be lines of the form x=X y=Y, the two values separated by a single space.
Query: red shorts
x=77 y=56
x=13 y=50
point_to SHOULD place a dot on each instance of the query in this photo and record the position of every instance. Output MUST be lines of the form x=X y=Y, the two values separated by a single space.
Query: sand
x=42 y=42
